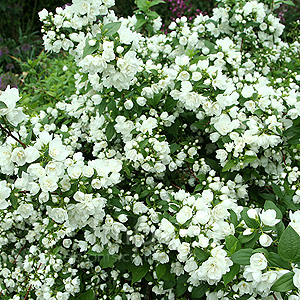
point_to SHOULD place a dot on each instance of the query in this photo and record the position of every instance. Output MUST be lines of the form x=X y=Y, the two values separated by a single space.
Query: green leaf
x=199 y=291
x=233 y=218
x=230 y=164
x=202 y=124
x=87 y=50
x=250 y=222
x=155 y=2
x=289 y=245
x=201 y=255
x=249 y=158
x=2 y=105
x=160 y=271
x=143 y=5
x=288 y=2
x=169 y=104
x=140 y=23
x=110 y=130
x=108 y=260
x=242 y=257
x=152 y=15
x=180 y=289
x=232 y=244
x=277 y=190
x=144 y=193
x=111 y=28
x=276 y=261
x=228 y=277
x=139 y=272
x=88 y=295
x=284 y=283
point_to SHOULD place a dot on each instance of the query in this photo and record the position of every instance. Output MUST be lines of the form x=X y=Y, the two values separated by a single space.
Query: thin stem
x=20 y=252
x=8 y=132
x=192 y=172
x=175 y=186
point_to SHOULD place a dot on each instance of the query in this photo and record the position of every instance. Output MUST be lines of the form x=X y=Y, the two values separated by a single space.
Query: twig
x=175 y=186
x=20 y=252
x=192 y=172
x=274 y=296
x=8 y=132
x=31 y=284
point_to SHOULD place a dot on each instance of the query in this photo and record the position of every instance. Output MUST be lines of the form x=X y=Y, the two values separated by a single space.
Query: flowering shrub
x=171 y=173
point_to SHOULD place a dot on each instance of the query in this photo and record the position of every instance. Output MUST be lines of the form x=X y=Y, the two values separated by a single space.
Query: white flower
x=31 y=154
x=221 y=155
x=57 y=214
x=43 y=14
x=258 y=261
x=268 y=217
x=57 y=150
x=48 y=183
x=247 y=91
x=296 y=278
x=184 y=214
x=4 y=194
x=9 y=97
x=18 y=156
x=295 y=221
x=139 y=208
x=25 y=210
x=265 y=240
x=184 y=250
x=5 y=156
x=15 y=116
x=223 y=124
x=252 y=214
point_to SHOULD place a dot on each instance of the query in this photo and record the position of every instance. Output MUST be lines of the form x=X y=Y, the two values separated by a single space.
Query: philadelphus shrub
x=171 y=173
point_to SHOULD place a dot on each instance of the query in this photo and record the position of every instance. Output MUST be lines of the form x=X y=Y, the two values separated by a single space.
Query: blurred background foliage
x=20 y=36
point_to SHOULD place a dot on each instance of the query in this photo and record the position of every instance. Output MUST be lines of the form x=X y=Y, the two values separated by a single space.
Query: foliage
x=168 y=168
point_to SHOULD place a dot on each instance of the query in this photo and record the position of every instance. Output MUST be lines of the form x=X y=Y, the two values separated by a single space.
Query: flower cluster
x=172 y=171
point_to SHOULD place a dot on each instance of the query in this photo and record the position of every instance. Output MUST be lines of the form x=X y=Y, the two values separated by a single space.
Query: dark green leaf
x=232 y=244
x=276 y=261
x=284 y=283
x=160 y=271
x=289 y=245
x=250 y=222
x=199 y=291
x=228 y=277
x=110 y=131
x=2 y=105
x=277 y=190
x=88 y=295
x=201 y=255
x=242 y=257
x=180 y=289
x=139 y=272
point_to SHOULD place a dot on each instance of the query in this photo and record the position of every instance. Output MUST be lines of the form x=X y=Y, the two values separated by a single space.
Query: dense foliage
x=166 y=169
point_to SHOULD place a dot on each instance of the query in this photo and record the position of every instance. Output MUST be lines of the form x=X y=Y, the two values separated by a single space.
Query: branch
x=8 y=132
x=192 y=172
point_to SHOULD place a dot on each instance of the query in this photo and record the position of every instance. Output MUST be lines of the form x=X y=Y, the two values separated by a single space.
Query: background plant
x=171 y=171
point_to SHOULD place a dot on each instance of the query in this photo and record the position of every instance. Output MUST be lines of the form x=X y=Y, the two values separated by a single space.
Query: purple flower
x=10 y=66
x=25 y=47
